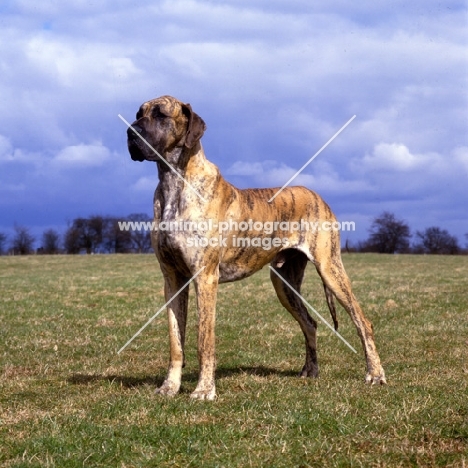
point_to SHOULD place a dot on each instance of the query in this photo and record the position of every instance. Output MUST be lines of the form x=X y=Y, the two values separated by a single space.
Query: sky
x=273 y=80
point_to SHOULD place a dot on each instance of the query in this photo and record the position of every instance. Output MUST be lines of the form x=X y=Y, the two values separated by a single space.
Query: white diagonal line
x=318 y=315
x=168 y=165
x=160 y=310
x=312 y=158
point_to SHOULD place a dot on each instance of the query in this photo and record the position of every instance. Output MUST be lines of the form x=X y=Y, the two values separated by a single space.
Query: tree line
x=388 y=234
x=102 y=234
x=95 y=234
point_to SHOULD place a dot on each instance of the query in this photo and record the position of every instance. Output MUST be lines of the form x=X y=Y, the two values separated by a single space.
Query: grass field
x=68 y=400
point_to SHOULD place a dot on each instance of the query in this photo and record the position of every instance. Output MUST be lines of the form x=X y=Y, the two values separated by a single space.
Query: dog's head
x=163 y=124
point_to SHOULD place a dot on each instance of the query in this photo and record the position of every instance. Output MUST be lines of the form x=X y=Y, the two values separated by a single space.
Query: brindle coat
x=174 y=131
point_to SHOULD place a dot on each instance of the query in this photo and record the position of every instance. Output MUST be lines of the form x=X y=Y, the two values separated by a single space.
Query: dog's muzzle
x=135 y=143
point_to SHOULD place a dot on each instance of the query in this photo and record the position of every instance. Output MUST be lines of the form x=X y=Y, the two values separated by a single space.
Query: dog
x=192 y=192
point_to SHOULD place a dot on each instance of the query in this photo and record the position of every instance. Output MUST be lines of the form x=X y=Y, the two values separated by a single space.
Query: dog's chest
x=170 y=249
x=181 y=239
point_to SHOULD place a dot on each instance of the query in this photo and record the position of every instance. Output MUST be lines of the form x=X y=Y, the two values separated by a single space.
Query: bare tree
x=3 y=239
x=85 y=233
x=435 y=240
x=50 y=242
x=140 y=238
x=114 y=239
x=23 y=241
x=388 y=234
x=96 y=225
x=72 y=240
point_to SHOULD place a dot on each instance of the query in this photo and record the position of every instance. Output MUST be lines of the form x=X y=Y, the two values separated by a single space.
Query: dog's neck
x=192 y=168
x=176 y=159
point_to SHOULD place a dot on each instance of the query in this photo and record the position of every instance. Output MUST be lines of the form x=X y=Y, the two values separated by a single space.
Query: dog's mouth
x=139 y=149
x=135 y=143
x=135 y=150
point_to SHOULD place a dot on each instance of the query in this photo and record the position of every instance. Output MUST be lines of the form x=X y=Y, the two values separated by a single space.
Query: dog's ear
x=196 y=126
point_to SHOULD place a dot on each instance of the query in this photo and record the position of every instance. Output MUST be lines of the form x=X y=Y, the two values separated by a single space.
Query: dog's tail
x=331 y=304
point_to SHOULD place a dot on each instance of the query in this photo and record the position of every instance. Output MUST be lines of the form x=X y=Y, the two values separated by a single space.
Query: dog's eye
x=139 y=114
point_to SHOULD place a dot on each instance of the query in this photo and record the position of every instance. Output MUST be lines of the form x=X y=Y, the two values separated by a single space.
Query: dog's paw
x=309 y=370
x=208 y=395
x=168 y=389
x=378 y=377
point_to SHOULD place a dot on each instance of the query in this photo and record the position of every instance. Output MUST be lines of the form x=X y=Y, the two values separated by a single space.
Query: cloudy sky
x=273 y=80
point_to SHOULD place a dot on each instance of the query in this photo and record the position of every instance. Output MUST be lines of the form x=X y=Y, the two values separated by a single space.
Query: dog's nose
x=133 y=130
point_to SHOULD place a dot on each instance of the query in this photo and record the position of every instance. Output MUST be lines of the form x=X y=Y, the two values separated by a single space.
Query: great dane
x=195 y=200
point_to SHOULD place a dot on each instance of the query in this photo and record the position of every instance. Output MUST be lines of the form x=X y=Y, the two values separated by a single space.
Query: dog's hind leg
x=334 y=277
x=177 y=318
x=292 y=268
x=331 y=304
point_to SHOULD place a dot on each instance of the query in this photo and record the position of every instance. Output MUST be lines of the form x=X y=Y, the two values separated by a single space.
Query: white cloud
x=82 y=155
x=80 y=64
x=242 y=168
x=319 y=176
x=395 y=172
x=461 y=157
x=11 y=156
x=395 y=157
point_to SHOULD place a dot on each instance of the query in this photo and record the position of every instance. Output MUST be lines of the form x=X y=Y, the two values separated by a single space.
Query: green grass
x=68 y=400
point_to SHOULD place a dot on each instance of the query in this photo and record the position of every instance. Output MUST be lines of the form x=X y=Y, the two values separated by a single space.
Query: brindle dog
x=174 y=131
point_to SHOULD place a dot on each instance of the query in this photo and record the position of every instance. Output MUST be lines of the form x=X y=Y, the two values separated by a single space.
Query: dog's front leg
x=206 y=286
x=177 y=318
